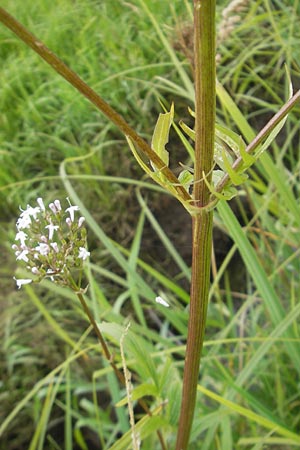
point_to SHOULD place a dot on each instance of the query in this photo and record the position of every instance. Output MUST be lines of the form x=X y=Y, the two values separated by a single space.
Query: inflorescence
x=51 y=243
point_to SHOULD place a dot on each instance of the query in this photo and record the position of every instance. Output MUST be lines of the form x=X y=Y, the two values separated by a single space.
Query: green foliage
x=55 y=381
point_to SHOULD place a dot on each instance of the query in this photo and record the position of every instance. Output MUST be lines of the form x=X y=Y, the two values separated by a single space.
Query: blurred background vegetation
x=137 y=55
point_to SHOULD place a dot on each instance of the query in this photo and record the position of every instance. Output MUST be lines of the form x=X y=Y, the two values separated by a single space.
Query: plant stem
x=204 y=54
x=105 y=349
x=60 y=67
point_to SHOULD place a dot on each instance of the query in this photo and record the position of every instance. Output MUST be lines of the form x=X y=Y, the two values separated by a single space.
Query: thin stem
x=205 y=88
x=105 y=349
x=204 y=54
x=202 y=232
x=60 y=67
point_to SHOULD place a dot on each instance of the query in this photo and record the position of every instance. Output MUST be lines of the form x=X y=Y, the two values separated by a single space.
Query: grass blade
x=264 y=287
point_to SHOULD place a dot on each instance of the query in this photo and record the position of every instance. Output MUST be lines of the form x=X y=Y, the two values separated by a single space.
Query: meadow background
x=56 y=392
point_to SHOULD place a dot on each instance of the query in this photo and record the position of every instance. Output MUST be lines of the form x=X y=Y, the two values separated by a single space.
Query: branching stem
x=60 y=67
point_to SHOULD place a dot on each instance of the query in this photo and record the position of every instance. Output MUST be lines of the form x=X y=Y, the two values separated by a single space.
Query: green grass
x=53 y=143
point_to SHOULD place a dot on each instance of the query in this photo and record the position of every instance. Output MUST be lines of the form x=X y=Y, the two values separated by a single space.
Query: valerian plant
x=212 y=178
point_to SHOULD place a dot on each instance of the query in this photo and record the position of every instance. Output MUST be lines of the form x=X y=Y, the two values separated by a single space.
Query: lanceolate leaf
x=228 y=193
x=191 y=133
x=236 y=178
x=248 y=159
x=186 y=178
x=218 y=155
x=157 y=176
x=233 y=140
x=277 y=129
x=161 y=135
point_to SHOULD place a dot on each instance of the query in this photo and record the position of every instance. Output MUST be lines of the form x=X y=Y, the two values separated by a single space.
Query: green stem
x=105 y=349
x=60 y=67
x=204 y=54
x=202 y=231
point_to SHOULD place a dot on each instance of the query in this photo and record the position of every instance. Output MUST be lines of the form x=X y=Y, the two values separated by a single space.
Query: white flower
x=21 y=236
x=51 y=229
x=30 y=211
x=23 y=256
x=41 y=203
x=162 y=302
x=57 y=205
x=48 y=246
x=21 y=282
x=50 y=273
x=55 y=247
x=43 y=249
x=83 y=253
x=81 y=220
x=71 y=211
x=53 y=208
x=23 y=222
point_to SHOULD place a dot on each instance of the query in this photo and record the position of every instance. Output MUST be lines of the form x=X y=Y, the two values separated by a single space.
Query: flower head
x=54 y=244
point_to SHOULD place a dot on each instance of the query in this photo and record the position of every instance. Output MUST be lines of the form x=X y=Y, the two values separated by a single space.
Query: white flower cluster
x=51 y=242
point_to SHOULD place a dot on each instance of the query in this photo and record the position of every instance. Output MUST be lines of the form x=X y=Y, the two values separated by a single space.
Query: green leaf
x=248 y=159
x=143 y=390
x=232 y=139
x=186 y=178
x=237 y=116
x=266 y=290
x=229 y=191
x=139 y=159
x=144 y=428
x=161 y=136
x=218 y=155
x=190 y=133
x=278 y=127
x=235 y=177
x=158 y=177
x=250 y=415
x=191 y=112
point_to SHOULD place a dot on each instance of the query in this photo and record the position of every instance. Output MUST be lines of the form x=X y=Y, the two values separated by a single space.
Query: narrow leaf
x=190 y=133
x=235 y=177
x=232 y=139
x=161 y=135
x=250 y=415
x=186 y=178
